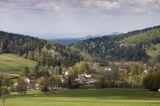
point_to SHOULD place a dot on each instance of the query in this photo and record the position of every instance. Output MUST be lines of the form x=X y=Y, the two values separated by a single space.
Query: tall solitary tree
x=4 y=92
x=26 y=71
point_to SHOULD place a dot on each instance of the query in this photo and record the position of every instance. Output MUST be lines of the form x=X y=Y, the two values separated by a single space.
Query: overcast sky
x=77 y=18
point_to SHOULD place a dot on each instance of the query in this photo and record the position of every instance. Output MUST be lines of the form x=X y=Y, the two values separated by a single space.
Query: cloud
x=104 y=4
x=50 y=6
x=108 y=5
x=82 y=7
x=124 y=6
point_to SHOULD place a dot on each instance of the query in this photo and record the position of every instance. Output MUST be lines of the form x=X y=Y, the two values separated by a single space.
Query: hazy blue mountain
x=68 y=41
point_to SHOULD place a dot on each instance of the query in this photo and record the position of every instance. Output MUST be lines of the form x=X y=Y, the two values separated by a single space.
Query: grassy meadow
x=88 y=97
x=13 y=64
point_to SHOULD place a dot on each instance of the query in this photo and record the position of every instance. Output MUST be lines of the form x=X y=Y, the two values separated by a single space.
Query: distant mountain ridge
x=68 y=41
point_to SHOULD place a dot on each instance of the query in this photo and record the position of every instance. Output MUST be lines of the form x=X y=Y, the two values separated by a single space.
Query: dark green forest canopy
x=43 y=51
x=126 y=46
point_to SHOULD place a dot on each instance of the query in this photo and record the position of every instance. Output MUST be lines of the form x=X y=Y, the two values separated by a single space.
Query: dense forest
x=132 y=46
x=42 y=51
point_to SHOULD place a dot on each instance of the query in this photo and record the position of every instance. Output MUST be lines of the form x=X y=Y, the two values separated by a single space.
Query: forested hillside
x=147 y=37
x=42 y=51
x=135 y=45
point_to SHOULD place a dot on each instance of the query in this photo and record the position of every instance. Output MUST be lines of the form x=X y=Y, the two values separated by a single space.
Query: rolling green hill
x=149 y=36
x=13 y=64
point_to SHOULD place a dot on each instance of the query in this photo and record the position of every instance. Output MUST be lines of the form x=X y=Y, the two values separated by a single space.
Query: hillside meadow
x=13 y=64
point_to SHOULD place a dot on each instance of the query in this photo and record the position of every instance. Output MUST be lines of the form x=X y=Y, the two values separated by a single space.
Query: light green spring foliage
x=142 y=37
x=81 y=66
x=154 y=50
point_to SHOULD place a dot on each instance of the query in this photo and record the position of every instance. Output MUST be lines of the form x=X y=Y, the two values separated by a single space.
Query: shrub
x=21 y=86
x=152 y=81
x=101 y=83
x=44 y=84
x=44 y=89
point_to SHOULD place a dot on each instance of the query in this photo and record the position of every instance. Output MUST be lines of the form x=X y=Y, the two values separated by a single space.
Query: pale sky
x=77 y=18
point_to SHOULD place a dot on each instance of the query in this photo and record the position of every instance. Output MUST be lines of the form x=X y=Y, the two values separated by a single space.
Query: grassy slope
x=13 y=64
x=90 y=97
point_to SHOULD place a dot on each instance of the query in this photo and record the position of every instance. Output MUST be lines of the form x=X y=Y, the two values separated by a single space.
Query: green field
x=89 y=97
x=13 y=64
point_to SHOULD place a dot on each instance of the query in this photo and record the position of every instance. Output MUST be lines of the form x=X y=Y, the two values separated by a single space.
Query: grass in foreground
x=13 y=64
x=89 y=97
